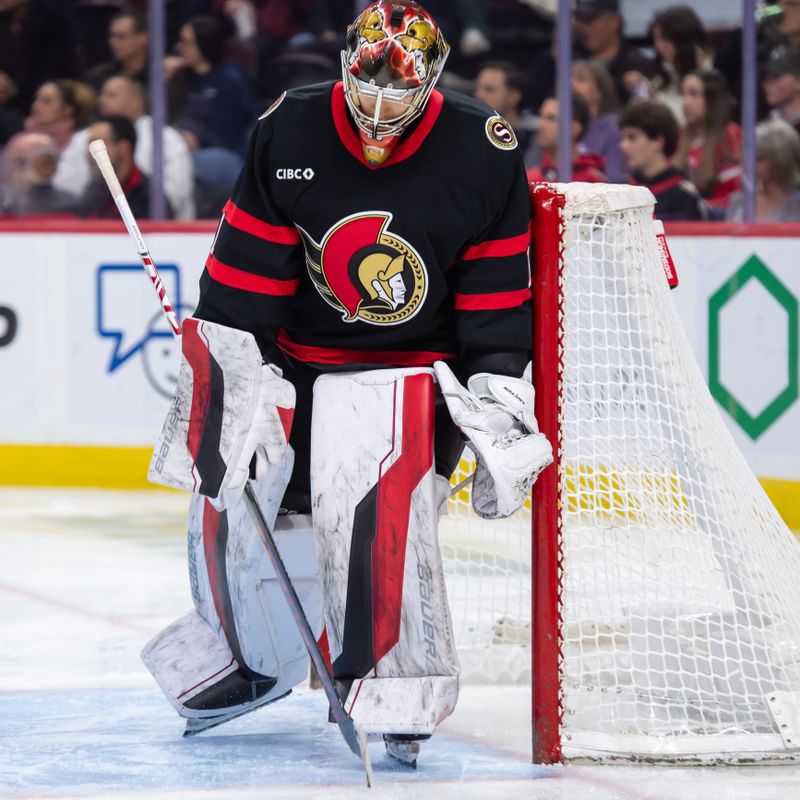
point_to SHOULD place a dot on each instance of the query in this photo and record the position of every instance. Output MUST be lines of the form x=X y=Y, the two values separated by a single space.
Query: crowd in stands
x=660 y=111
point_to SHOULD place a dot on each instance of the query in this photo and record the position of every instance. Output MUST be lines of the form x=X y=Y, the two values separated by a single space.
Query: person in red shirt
x=710 y=151
x=586 y=167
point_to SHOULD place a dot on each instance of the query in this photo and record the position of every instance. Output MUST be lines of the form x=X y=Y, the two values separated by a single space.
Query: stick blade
x=357 y=741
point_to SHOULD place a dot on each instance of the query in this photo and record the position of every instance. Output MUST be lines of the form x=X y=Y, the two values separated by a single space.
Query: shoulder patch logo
x=273 y=106
x=500 y=134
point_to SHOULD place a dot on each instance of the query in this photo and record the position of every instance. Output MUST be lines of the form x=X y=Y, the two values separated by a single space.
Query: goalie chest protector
x=337 y=262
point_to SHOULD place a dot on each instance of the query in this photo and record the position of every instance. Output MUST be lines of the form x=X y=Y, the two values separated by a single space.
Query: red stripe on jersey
x=336 y=355
x=498 y=248
x=661 y=186
x=278 y=234
x=395 y=488
x=404 y=149
x=239 y=279
x=491 y=302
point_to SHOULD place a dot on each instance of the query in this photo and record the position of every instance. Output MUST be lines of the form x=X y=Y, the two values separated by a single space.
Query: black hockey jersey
x=337 y=262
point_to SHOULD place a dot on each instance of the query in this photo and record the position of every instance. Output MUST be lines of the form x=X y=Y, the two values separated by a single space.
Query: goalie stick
x=353 y=735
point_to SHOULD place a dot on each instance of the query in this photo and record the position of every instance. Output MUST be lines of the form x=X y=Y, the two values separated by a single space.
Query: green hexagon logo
x=754 y=424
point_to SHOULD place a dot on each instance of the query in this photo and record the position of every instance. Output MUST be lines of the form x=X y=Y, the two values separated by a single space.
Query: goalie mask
x=395 y=52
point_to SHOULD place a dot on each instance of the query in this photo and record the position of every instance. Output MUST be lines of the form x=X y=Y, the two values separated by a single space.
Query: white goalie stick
x=353 y=735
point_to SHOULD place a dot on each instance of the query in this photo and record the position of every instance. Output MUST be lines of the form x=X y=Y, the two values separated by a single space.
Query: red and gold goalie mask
x=394 y=55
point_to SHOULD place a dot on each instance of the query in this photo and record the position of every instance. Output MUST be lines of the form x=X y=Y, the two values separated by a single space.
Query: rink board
x=90 y=365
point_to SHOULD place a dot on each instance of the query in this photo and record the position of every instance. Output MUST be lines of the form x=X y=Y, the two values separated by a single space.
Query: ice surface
x=87 y=577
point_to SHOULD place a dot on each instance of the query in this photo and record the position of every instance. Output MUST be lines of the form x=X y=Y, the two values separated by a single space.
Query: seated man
x=119 y=136
x=649 y=140
x=33 y=158
x=586 y=167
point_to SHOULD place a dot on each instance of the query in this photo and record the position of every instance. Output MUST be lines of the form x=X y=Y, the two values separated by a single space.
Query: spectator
x=789 y=25
x=591 y=81
x=649 y=140
x=681 y=45
x=126 y=97
x=119 y=136
x=599 y=27
x=214 y=111
x=130 y=49
x=12 y=119
x=782 y=84
x=273 y=23
x=215 y=103
x=501 y=85
x=585 y=166
x=59 y=109
x=37 y=44
x=32 y=159
x=777 y=175
x=710 y=150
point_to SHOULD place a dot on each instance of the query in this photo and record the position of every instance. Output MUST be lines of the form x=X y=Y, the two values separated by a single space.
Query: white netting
x=488 y=571
x=680 y=607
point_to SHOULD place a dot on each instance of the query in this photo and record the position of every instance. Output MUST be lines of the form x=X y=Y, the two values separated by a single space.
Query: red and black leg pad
x=375 y=519
x=243 y=685
x=205 y=422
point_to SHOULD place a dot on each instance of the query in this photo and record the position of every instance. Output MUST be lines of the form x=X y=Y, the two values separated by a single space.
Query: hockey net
x=667 y=623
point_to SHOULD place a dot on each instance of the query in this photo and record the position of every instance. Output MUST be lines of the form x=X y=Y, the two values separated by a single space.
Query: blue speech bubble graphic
x=122 y=291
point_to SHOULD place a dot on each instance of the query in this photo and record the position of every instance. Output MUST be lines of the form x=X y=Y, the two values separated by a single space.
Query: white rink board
x=93 y=364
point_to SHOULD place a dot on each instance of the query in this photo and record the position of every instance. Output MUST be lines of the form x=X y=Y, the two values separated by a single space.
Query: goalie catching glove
x=227 y=403
x=495 y=414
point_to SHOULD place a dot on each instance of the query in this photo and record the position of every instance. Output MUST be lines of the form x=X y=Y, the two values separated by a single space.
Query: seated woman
x=592 y=81
x=710 y=151
x=211 y=105
x=211 y=101
x=59 y=109
x=777 y=175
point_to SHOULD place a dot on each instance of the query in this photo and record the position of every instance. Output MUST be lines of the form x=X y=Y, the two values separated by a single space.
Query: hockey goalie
x=364 y=311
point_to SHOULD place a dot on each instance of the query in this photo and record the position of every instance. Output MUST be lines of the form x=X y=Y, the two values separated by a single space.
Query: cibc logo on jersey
x=367 y=272
x=298 y=174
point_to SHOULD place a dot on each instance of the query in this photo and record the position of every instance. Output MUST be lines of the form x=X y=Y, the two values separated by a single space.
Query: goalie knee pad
x=240 y=648
x=375 y=504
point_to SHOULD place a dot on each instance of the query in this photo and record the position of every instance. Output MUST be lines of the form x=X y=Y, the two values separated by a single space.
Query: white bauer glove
x=495 y=414
x=226 y=404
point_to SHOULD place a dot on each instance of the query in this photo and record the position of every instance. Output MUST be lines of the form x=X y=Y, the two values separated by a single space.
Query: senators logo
x=366 y=272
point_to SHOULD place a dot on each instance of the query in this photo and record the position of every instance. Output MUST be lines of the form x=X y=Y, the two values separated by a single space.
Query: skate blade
x=401 y=755
x=200 y=724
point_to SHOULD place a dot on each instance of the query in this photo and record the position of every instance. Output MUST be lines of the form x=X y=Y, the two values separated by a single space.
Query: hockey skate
x=403 y=749
x=199 y=724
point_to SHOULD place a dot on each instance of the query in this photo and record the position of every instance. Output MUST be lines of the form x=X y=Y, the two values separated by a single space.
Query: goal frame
x=546 y=555
x=734 y=698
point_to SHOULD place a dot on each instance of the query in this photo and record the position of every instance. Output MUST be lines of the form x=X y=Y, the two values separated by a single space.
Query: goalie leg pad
x=375 y=505
x=242 y=626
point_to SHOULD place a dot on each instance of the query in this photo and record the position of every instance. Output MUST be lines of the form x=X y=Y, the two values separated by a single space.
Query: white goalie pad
x=226 y=403
x=374 y=495
x=495 y=413
x=240 y=648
